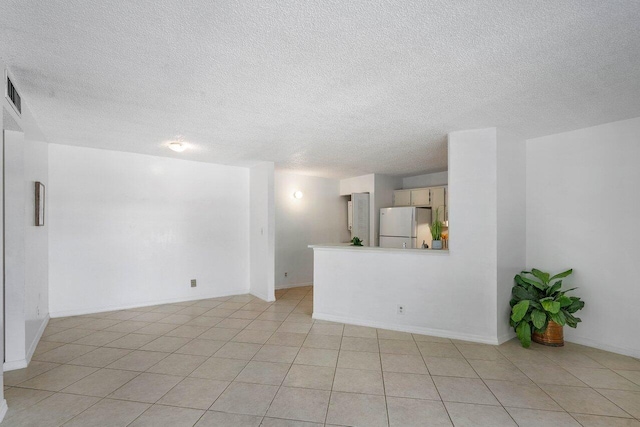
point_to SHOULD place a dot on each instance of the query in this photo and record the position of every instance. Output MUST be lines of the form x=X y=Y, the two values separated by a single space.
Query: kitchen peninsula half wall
x=462 y=293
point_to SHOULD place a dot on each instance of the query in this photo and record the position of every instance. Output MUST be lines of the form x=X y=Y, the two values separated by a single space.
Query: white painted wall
x=26 y=158
x=426 y=180
x=319 y=217
x=262 y=231
x=357 y=184
x=14 y=246
x=511 y=227
x=36 y=311
x=450 y=294
x=26 y=246
x=473 y=232
x=129 y=230
x=8 y=121
x=582 y=212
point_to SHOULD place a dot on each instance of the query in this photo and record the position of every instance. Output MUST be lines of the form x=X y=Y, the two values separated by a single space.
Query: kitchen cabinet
x=421 y=197
x=433 y=197
x=402 y=198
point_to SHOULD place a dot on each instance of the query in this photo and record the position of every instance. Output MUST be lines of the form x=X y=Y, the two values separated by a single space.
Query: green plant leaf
x=541 y=275
x=537 y=305
x=543 y=328
x=523 y=330
x=564 y=301
x=519 y=310
x=575 y=305
x=571 y=321
x=534 y=283
x=554 y=288
x=526 y=286
x=551 y=306
x=538 y=318
x=520 y=293
x=563 y=274
x=559 y=318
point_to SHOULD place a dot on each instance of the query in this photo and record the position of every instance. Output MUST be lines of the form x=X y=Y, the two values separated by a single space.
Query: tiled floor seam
x=434 y=384
x=598 y=391
x=283 y=379
x=384 y=390
x=554 y=400
x=228 y=385
x=139 y=373
x=486 y=385
x=509 y=356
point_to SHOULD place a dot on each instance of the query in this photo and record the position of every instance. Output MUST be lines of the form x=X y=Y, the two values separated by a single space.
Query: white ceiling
x=325 y=87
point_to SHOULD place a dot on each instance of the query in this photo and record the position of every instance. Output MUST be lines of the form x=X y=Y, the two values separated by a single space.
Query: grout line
x=432 y=381
x=290 y=365
x=488 y=388
x=333 y=381
x=384 y=390
x=303 y=301
x=216 y=399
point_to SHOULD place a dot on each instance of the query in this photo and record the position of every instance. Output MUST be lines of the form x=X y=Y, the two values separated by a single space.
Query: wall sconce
x=297 y=194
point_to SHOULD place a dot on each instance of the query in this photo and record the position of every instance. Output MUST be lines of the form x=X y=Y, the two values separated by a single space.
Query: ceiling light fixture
x=177 y=146
x=297 y=194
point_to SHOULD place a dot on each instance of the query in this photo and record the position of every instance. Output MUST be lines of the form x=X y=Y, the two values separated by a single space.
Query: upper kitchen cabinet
x=434 y=197
x=421 y=197
x=402 y=198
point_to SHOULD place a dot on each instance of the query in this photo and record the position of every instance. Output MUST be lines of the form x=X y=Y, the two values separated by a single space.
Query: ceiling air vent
x=13 y=96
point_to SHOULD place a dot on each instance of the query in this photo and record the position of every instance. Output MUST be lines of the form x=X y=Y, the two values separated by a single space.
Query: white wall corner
x=582 y=213
x=36 y=339
x=3 y=409
x=511 y=221
x=262 y=231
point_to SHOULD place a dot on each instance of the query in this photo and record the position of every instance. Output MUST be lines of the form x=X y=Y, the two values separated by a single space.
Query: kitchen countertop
x=349 y=247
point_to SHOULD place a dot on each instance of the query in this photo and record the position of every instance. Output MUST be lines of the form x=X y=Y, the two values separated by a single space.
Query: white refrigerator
x=405 y=227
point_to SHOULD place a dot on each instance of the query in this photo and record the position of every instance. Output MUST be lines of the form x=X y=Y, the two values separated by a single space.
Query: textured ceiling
x=325 y=87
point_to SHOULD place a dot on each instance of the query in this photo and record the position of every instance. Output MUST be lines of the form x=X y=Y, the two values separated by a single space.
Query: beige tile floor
x=239 y=361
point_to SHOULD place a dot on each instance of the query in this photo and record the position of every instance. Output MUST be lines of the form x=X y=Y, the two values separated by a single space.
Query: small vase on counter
x=436 y=244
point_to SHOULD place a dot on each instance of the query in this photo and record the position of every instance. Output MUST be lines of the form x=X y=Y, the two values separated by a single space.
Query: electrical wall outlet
x=193 y=283
x=286 y=274
x=400 y=309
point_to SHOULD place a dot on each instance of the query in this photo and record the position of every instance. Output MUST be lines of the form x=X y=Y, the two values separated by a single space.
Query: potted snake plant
x=540 y=307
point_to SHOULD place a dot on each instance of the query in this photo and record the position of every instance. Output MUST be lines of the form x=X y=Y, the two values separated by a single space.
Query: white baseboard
x=506 y=337
x=80 y=312
x=293 y=285
x=3 y=409
x=406 y=328
x=633 y=352
x=12 y=365
x=36 y=340
x=262 y=296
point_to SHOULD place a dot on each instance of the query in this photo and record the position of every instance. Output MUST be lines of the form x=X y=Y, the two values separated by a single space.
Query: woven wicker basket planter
x=553 y=336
